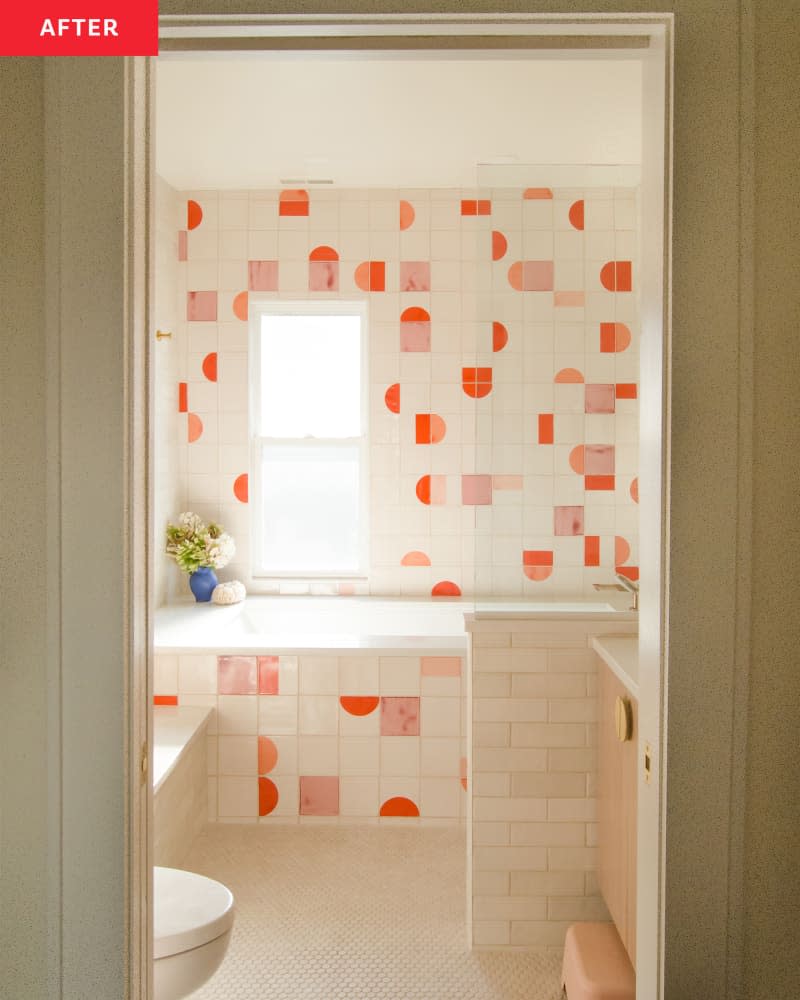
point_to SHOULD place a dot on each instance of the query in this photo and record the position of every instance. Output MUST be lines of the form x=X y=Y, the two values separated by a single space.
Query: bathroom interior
x=391 y=751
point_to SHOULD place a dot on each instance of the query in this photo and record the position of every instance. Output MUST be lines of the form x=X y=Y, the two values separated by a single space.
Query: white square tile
x=237 y=797
x=399 y=675
x=318 y=714
x=399 y=756
x=358 y=796
x=440 y=797
x=203 y=701
x=288 y=797
x=360 y=725
x=359 y=756
x=318 y=755
x=165 y=674
x=318 y=675
x=238 y=714
x=197 y=674
x=286 y=763
x=440 y=717
x=440 y=757
x=277 y=715
x=358 y=675
x=237 y=755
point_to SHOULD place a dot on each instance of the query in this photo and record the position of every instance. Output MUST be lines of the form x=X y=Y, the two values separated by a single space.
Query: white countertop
x=621 y=653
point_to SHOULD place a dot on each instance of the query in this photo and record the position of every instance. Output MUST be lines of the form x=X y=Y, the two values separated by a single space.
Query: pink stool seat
x=596 y=965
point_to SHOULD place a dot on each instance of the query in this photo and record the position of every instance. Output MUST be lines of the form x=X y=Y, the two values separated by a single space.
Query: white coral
x=229 y=593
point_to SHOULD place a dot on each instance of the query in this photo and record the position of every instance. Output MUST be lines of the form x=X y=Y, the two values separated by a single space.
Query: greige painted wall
x=718 y=404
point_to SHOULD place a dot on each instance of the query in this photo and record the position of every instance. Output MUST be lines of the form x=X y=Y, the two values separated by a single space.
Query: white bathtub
x=335 y=623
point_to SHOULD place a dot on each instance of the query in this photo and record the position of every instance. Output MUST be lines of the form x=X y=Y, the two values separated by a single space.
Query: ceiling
x=255 y=122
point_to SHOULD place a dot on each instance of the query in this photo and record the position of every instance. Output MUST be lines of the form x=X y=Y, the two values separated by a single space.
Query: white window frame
x=258 y=308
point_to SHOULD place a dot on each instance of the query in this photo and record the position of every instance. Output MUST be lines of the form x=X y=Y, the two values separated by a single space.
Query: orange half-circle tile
x=392 y=398
x=616 y=276
x=361 y=276
x=194 y=427
x=267 y=796
x=432 y=489
x=323 y=252
x=537 y=194
x=499 y=245
x=499 y=337
x=241 y=488
x=576 y=214
x=515 y=276
x=635 y=489
x=240 y=306
x=370 y=276
x=359 y=704
x=267 y=755
x=399 y=806
x=568 y=375
x=430 y=428
x=415 y=314
x=210 y=366
x=614 y=337
x=632 y=572
x=415 y=558
x=445 y=588
x=537 y=573
x=576 y=459
x=622 y=550
x=407 y=214
x=194 y=214
x=293 y=202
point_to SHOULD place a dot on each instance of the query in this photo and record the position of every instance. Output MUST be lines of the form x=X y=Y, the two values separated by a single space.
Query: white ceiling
x=257 y=122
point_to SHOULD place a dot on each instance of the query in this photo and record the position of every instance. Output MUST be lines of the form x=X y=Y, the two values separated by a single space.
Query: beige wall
x=734 y=385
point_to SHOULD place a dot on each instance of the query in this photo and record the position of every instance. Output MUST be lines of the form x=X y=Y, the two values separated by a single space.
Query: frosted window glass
x=310 y=376
x=310 y=508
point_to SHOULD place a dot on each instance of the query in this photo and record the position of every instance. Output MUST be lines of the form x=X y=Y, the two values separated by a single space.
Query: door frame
x=652 y=35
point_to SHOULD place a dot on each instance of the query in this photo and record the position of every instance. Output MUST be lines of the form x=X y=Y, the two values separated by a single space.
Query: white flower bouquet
x=193 y=544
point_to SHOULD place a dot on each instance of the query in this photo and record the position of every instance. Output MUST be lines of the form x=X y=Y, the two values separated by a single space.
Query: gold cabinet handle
x=623 y=719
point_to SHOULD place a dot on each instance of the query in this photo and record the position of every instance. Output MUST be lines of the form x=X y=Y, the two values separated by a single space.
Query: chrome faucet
x=633 y=587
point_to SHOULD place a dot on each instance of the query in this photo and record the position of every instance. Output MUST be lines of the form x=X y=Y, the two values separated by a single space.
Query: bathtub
x=294 y=624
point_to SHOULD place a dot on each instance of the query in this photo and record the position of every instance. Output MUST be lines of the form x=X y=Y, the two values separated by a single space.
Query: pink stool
x=596 y=965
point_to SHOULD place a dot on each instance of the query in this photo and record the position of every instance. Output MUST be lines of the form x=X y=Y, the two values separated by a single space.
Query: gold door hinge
x=144 y=762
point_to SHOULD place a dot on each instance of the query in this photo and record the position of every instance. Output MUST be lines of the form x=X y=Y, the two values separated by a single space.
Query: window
x=309 y=419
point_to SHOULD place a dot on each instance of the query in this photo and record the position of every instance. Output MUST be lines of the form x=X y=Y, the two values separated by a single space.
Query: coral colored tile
x=194 y=214
x=400 y=716
x=576 y=213
x=183 y=397
x=569 y=300
x=476 y=489
x=201 y=307
x=319 y=796
x=407 y=214
x=392 y=398
x=432 y=489
x=377 y=276
x=359 y=704
x=241 y=306
x=506 y=482
x=194 y=427
x=598 y=459
x=241 y=488
x=415 y=558
x=183 y=245
x=445 y=588
x=440 y=666
x=267 y=755
x=591 y=550
x=531 y=275
x=415 y=276
x=268 y=675
x=469 y=206
x=209 y=366
x=632 y=572
x=415 y=337
x=499 y=245
x=545 y=428
x=430 y=428
x=614 y=337
x=634 y=489
x=293 y=202
x=626 y=390
x=599 y=483
x=499 y=337
x=616 y=276
x=165 y=699
x=262 y=275
x=537 y=194
x=483 y=206
x=236 y=675
x=323 y=276
x=599 y=398
x=622 y=550
x=268 y=796
x=399 y=806
x=536 y=557
x=568 y=375
x=568 y=520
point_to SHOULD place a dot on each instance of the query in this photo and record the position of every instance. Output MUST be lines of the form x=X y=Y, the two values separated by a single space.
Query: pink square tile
x=236 y=675
x=183 y=239
x=400 y=716
x=262 y=275
x=415 y=276
x=599 y=398
x=319 y=796
x=537 y=275
x=476 y=489
x=598 y=459
x=415 y=336
x=568 y=520
x=201 y=307
x=268 y=675
x=323 y=276
x=441 y=666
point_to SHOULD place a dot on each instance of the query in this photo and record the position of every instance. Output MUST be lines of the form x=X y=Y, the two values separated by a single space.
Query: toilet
x=192 y=917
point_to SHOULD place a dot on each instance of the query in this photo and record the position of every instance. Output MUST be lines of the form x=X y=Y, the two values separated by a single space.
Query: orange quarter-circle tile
x=209 y=366
x=499 y=245
x=267 y=796
x=616 y=276
x=445 y=588
x=194 y=427
x=415 y=558
x=241 y=306
x=499 y=336
x=241 y=487
x=568 y=375
x=576 y=214
x=407 y=214
x=359 y=705
x=194 y=214
x=476 y=382
x=392 y=398
x=399 y=805
x=267 y=755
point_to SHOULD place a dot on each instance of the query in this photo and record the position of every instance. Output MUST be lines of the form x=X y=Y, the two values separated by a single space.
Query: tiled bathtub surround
x=352 y=738
x=503 y=366
x=534 y=745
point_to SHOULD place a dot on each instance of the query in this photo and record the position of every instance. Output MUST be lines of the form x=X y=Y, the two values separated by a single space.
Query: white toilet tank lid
x=189 y=910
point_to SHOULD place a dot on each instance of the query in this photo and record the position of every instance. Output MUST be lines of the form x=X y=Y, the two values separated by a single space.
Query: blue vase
x=202 y=583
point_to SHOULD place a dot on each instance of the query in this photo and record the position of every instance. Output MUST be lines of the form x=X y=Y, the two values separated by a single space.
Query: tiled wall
x=503 y=373
x=534 y=758
x=351 y=738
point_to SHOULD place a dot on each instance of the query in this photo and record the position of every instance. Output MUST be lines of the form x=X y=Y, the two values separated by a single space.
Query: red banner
x=80 y=28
